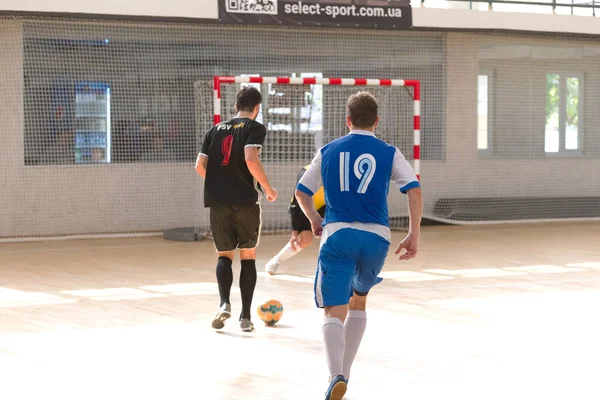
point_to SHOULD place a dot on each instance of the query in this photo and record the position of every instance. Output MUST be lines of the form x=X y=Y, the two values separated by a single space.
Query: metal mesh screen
x=105 y=131
x=521 y=131
x=100 y=123
x=299 y=120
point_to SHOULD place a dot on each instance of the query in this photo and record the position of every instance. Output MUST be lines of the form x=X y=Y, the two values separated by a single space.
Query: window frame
x=563 y=75
x=491 y=103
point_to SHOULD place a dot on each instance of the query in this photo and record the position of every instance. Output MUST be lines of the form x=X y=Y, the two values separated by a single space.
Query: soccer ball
x=270 y=312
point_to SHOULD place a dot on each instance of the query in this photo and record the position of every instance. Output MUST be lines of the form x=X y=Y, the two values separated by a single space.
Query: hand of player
x=271 y=194
x=317 y=227
x=410 y=246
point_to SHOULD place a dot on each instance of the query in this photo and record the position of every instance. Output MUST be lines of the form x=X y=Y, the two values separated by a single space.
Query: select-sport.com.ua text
x=335 y=11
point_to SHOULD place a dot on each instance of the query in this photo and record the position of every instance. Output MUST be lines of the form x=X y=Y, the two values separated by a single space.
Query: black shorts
x=300 y=222
x=235 y=227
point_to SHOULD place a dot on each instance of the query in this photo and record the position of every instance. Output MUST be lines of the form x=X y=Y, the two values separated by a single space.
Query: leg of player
x=354 y=329
x=333 y=337
x=247 y=286
x=333 y=287
x=298 y=242
x=224 y=280
x=247 y=228
x=372 y=257
x=225 y=242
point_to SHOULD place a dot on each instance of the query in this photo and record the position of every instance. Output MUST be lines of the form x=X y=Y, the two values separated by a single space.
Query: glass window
x=552 y=134
x=313 y=110
x=572 y=110
x=563 y=109
x=482 y=112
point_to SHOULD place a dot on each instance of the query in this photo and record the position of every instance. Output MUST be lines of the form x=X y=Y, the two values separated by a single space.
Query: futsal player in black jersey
x=235 y=181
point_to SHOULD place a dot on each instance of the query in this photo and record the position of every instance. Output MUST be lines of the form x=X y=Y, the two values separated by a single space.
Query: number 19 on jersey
x=364 y=170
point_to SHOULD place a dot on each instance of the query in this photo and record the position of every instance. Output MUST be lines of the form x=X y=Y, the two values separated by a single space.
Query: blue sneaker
x=337 y=388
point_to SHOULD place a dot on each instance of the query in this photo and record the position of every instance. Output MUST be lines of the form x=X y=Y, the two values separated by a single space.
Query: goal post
x=303 y=113
x=415 y=84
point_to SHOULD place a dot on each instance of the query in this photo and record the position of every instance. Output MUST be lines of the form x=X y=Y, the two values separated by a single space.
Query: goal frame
x=415 y=84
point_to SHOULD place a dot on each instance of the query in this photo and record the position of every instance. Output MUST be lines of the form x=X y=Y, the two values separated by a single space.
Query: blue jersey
x=356 y=171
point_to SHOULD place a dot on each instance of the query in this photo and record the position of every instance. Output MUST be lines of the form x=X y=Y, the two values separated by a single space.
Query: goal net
x=301 y=115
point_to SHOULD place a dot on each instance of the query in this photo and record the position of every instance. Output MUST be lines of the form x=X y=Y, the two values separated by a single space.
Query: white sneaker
x=271 y=267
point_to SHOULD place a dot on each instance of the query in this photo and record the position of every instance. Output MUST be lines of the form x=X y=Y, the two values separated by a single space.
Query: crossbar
x=415 y=84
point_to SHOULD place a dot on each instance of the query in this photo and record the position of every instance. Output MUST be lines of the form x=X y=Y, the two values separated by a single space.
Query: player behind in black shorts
x=234 y=184
x=301 y=231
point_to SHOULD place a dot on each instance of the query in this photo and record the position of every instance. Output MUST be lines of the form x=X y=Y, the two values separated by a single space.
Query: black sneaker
x=223 y=315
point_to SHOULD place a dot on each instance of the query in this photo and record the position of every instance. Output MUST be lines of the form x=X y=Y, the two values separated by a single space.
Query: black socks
x=225 y=279
x=247 y=285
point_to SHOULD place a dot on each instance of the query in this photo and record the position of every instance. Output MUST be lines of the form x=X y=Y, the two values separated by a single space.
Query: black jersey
x=228 y=180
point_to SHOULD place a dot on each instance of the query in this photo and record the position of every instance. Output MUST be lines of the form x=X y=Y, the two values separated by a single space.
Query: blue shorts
x=349 y=261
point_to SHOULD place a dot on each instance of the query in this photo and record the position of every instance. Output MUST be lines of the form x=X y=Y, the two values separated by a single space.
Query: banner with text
x=371 y=14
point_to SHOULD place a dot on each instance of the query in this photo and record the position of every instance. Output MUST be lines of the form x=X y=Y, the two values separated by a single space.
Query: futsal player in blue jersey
x=355 y=171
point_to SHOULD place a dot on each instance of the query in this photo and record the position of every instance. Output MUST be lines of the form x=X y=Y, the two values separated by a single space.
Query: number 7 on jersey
x=364 y=169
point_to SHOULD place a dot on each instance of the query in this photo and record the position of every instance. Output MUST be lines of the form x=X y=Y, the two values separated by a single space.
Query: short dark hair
x=362 y=109
x=248 y=98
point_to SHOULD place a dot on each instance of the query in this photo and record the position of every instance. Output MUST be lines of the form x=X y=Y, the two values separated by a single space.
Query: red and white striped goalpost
x=416 y=85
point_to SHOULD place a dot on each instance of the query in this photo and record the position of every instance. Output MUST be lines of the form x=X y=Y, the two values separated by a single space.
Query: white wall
x=155 y=8
x=11 y=116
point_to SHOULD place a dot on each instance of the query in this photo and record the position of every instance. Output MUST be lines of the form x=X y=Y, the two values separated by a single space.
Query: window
x=572 y=114
x=296 y=108
x=562 y=133
x=293 y=116
x=313 y=111
x=484 y=114
x=79 y=125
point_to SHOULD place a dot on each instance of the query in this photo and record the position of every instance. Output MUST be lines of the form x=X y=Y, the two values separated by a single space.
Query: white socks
x=342 y=341
x=333 y=337
x=356 y=323
x=286 y=253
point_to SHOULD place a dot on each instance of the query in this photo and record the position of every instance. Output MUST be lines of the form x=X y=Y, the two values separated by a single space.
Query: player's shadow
x=279 y=326
x=247 y=335
x=250 y=334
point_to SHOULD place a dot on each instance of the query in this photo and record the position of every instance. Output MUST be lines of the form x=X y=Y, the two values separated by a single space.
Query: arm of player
x=308 y=208
x=201 y=162
x=307 y=187
x=406 y=180
x=254 y=143
x=202 y=159
x=415 y=211
x=258 y=172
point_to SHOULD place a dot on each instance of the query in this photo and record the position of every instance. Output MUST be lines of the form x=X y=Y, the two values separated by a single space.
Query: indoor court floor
x=484 y=312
